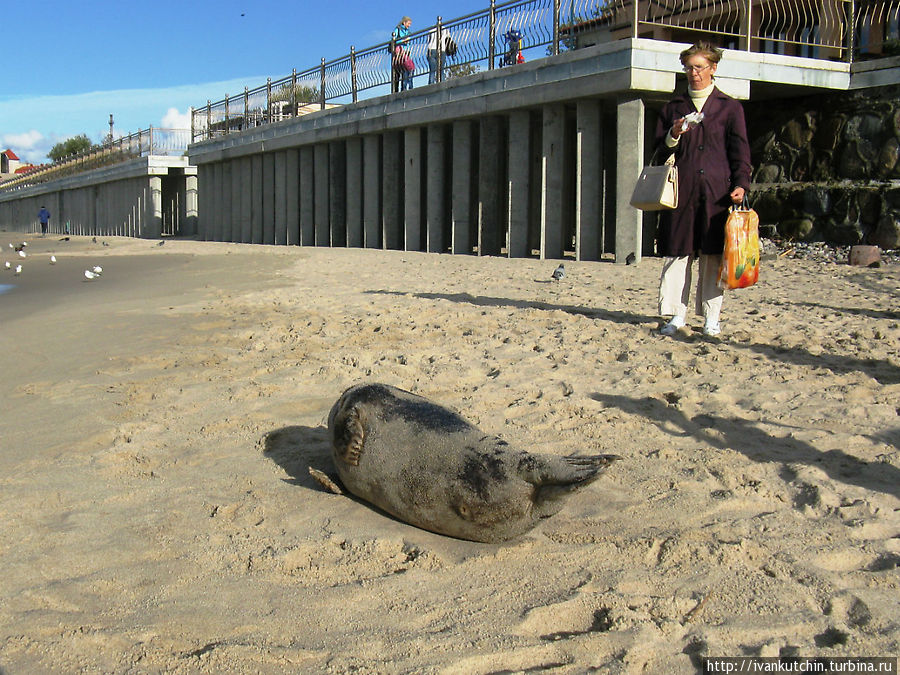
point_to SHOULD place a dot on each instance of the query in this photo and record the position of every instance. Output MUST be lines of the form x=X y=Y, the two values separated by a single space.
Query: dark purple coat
x=712 y=159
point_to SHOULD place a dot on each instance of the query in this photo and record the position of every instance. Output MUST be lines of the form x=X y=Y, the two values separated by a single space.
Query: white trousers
x=675 y=287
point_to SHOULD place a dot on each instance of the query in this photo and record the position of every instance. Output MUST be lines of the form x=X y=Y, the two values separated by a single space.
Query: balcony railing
x=152 y=141
x=828 y=29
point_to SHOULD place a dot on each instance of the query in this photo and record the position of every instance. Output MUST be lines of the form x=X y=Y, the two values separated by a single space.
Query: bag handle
x=670 y=160
x=743 y=206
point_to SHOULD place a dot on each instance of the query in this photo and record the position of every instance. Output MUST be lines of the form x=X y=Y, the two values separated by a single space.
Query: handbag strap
x=670 y=160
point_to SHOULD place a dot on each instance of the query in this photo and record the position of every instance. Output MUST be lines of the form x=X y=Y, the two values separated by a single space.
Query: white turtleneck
x=698 y=98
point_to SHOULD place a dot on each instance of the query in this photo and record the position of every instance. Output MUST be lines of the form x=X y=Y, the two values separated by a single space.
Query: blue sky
x=70 y=65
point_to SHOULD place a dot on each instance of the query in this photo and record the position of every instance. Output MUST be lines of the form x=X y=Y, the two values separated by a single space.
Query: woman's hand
x=677 y=128
x=737 y=195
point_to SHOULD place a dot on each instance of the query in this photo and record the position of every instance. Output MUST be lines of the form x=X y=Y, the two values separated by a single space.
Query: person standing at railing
x=713 y=159
x=401 y=76
x=44 y=217
x=436 y=56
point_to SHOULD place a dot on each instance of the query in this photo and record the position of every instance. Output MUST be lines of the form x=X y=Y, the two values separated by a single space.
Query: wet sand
x=156 y=514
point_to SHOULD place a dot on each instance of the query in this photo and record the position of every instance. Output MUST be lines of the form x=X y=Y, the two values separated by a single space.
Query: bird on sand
x=97 y=270
x=52 y=259
x=18 y=270
x=8 y=265
x=90 y=276
x=559 y=272
x=21 y=254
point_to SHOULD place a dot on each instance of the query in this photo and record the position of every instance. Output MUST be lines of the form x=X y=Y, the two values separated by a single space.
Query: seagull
x=11 y=245
x=90 y=276
x=18 y=270
x=630 y=258
x=104 y=243
x=7 y=264
x=97 y=270
x=559 y=272
x=161 y=243
x=94 y=239
x=52 y=259
x=21 y=254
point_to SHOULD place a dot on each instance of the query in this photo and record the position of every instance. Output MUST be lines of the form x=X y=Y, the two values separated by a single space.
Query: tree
x=70 y=146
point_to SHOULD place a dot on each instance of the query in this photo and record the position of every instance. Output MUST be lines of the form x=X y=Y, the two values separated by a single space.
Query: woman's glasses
x=695 y=69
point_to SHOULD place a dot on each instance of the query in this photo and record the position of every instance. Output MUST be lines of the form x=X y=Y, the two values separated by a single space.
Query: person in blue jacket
x=400 y=52
x=44 y=217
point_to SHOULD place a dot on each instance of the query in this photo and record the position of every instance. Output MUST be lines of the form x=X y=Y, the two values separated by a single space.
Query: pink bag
x=408 y=63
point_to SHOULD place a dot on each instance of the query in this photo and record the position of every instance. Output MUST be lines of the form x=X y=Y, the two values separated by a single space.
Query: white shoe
x=672 y=327
x=711 y=329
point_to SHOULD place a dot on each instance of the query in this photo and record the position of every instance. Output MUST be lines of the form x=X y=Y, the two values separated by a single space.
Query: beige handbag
x=657 y=186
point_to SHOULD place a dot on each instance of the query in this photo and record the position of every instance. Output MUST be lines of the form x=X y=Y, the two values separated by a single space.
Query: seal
x=429 y=467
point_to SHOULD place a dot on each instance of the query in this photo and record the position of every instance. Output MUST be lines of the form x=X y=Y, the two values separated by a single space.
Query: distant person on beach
x=436 y=56
x=713 y=159
x=44 y=217
x=401 y=76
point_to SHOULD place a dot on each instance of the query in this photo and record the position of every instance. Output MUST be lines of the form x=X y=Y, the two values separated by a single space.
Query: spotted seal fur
x=428 y=466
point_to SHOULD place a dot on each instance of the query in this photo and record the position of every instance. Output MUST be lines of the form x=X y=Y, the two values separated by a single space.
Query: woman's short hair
x=405 y=19
x=705 y=49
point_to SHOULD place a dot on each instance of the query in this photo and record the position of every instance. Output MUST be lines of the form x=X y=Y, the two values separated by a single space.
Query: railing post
x=492 y=35
x=227 y=127
x=555 y=27
x=150 y=143
x=322 y=84
x=637 y=13
x=246 y=123
x=268 y=100
x=140 y=140
x=191 y=111
x=439 y=44
x=208 y=119
x=749 y=28
x=294 y=101
x=353 y=72
x=851 y=30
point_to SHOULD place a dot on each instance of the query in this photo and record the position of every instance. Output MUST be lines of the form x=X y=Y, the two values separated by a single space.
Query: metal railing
x=152 y=141
x=828 y=29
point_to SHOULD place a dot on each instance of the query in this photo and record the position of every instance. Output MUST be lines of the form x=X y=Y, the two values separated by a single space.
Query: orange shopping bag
x=740 y=261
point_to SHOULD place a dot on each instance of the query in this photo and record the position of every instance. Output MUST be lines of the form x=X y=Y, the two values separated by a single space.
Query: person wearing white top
x=435 y=59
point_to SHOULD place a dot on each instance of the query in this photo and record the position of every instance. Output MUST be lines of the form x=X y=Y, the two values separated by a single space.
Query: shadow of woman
x=759 y=446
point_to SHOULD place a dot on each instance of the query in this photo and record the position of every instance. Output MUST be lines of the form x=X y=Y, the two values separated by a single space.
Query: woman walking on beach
x=713 y=160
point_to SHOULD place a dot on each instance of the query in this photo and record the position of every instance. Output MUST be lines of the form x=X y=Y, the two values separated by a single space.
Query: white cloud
x=175 y=119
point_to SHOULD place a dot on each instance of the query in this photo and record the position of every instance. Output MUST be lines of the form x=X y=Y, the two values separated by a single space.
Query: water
x=6 y=287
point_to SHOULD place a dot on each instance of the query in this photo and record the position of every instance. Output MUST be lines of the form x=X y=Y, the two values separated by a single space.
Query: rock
x=816 y=201
x=864 y=256
x=888 y=163
x=796 y=228
x=887 y=234
x=768 y=173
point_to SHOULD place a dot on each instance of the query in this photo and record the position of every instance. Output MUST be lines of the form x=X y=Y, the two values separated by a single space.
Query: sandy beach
x=156 y=512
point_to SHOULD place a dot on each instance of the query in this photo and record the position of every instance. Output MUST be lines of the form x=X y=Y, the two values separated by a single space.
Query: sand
x=156 y=514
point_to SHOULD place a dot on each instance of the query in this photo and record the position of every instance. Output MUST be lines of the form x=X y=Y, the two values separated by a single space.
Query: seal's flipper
x=556 y=477
x=349 y=437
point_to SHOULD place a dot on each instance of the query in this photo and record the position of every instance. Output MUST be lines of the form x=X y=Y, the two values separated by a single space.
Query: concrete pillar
x=461 y=192
x=307 y=196
x=337 y=193
x=153 y=229
x=491 y=187
x=191 y=206
x=629 y=162
x=202 y=199
x=354 y=194
x=436 y=221
x=519 y=171
x=246 y=215
x=588 y=182
x=256 y=199
x=236 y=196
x=280 y=195
x=372 y=191
x=320 y=195
x=226 y=203
x=552 y=166
x=392 y=190
x=268 y=198
x=412 y=189
x=215 y=198
x=292 y=196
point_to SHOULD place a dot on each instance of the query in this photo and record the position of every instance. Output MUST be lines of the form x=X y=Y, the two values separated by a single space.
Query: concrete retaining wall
x=145 y=197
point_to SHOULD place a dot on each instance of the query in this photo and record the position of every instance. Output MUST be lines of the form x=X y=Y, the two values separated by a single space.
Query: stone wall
x=827 y=167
